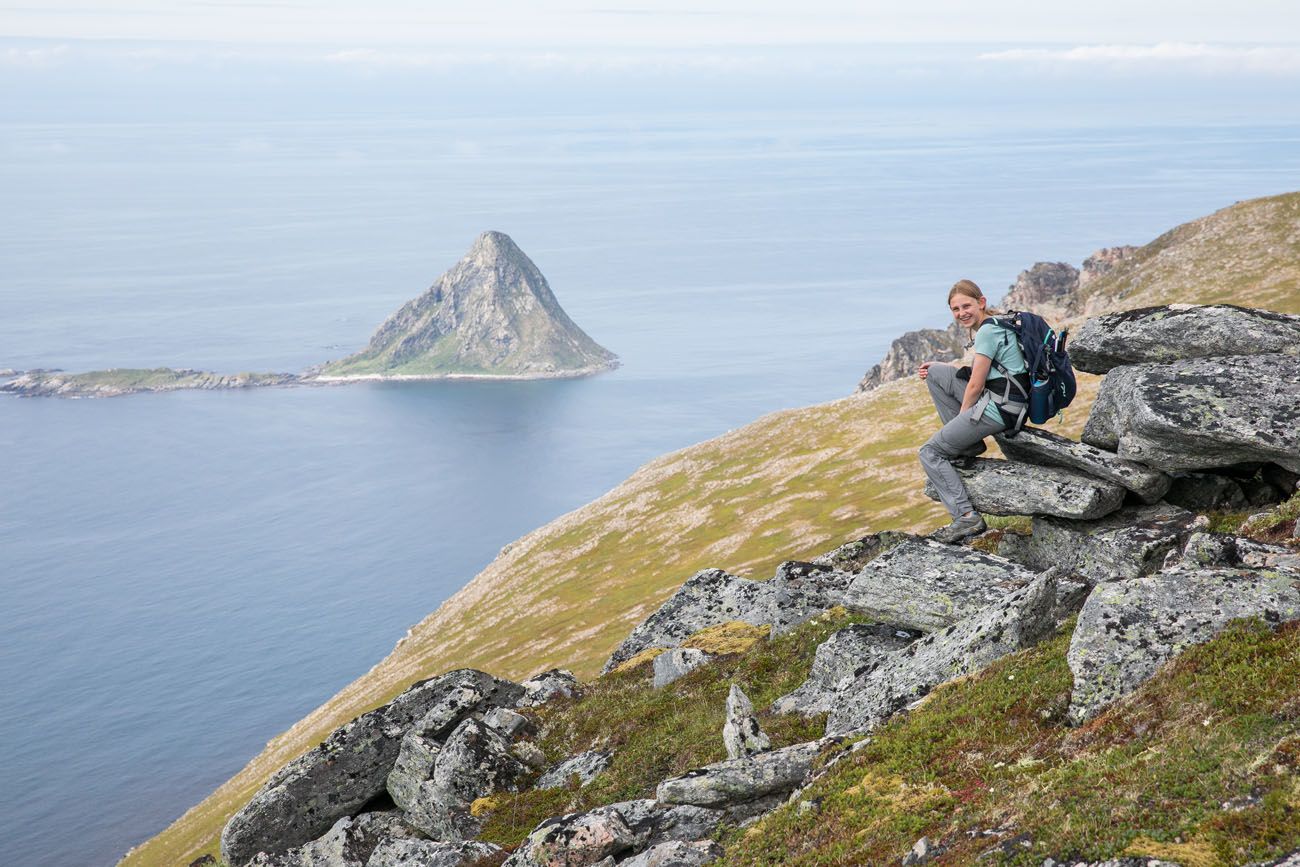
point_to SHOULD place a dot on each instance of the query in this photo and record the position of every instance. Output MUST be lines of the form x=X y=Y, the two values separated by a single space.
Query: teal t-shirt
x=998 y=343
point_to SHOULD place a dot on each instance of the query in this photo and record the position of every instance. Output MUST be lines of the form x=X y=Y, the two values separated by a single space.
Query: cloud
x=374 y=59
x=1276 y=60
x=42 y=57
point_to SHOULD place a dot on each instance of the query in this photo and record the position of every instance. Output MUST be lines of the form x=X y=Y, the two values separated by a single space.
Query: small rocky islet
x=1122 y=564
x=491 y=316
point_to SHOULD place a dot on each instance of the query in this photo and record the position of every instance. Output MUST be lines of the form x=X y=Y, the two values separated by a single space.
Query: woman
x=970 y=408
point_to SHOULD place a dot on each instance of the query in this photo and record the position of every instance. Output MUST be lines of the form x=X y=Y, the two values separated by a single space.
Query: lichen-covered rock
x=738 y=781
x=349 y=843
x=414 y=765
x=541 y=688
x=1181 y=331
x=741 y=733
x=803 y=590
x=924 y=585
x=848 y=653
x=510 y=723
x=1043 y=448
x=676 y=854
x=1212 y=549
x=429 y=853
x=1206 y=492
x=1019 y=620
x=576 y=840
x=474 y=762
x=1128 y=544
x=1011 y=488
x=852 y=556
x=1127 y=629
x=708 y=598
x=678 y=662
x=585 y=766
x=906 y=353
x=305 y=798
x=1201 y=413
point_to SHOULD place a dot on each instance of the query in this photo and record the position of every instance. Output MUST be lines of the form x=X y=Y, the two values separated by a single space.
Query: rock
x=1103 y=262
x=1201 y=413
x=1010 y=488
x=1181 y=331
x=302 y=800
x=738 y=781
x=708 y=598
x=585 y=766
x=1289 y=860
x=349 y=843
x=541 y=688
x=428 y=853
x=509 y=723
x=1015 y=547
x=907 y=353
x=1212 y=549
x=676 y=854
x=923 y=852
x=803 y=590
x=1206 y=492
x=924 y=585
x=852 y=556
x=575 y=840
x=1128 y=544
x=1046 y=284
x=414 y=765
x=529 y=753
x=741 y=733
x=474 y=762
x=1043 y=448
x=678 y=662
x=1127 y=629
x=1019 y=620
x=848 y=653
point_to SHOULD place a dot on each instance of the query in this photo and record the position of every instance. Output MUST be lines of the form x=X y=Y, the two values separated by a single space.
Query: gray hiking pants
x=962 y=435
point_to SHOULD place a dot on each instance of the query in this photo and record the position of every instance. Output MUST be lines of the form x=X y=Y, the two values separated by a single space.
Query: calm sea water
x=186 y=575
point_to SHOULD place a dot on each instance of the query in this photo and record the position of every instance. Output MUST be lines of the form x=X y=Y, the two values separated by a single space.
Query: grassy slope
x=789 y=485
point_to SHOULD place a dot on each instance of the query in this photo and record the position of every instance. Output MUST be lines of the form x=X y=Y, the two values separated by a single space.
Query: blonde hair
x=970 y=290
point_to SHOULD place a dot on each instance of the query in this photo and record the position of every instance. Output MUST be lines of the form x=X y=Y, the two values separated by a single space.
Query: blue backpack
x=1051 y=384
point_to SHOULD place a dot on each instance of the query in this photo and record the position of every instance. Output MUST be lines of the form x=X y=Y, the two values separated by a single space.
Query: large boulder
x=1127 y=629
x=1181 y=331
x=1019 y=620
x=474 y=762
x=924 y=585
x=430 y=853
x=743 y=780
x=708 y=598
x=1201 y=413
x=906 y=353
x=302 y=800
x=349 y=843
x=1127 y=544
x=848 y=653
x=1011 y=488
x=541 y=688
x=616 y=830
x=1035 y=446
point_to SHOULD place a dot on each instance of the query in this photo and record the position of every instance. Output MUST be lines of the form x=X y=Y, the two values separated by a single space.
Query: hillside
x=791 y=484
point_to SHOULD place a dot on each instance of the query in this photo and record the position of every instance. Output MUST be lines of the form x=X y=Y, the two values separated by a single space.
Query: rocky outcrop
x=1127 y=629
x=1179 y=332
x=1011 y=488
x=614 y=831
x=1201 y=413
x=1019 y=620
x=742 y=780
x=1043 y=448
x=349 y=843
x=1102 y=262
x=741 y=733
x=850 y=557
x=474 y=762
x=1044 y=285
x=907 y=353
x=541 y=688
x=1128 y=544
x=848 y=653
x=121 y=381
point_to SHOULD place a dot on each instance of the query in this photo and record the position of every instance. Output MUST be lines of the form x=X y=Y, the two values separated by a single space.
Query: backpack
x=1051 y=384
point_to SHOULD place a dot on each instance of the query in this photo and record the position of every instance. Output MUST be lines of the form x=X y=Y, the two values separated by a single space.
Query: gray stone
x=349 y=843
x=414 y=765
x=1128 y=544
x=575 y=840
x=848 y=653
x=676 y=854
x=803 y=590
x=302 y=800
x=585 y=766
x=1019 y=620
x=924 y=585
x=923 y=852
x=529 y=753
x=1043 y=448
x=541 y=688
x=738 y=781
x=1212 y=549
x=1201 y=413
x=907 y=353
x=852 y=556
x=708 y=598
x=1181 y=331
x=510 y=723
x=428 y=853
x=1127 y=629
x=1010 y=488
x=1206 y=492
x=1015 y=547
x=741 y=733
x=474 y=762
x=678 y=662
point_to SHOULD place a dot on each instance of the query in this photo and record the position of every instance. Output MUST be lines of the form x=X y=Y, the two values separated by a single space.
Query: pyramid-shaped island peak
x=493 y=314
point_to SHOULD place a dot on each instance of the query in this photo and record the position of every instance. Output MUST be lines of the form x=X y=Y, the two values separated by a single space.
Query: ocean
x=186 y=575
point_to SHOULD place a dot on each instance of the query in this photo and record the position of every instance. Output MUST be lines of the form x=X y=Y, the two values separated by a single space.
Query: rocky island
x=492 y=316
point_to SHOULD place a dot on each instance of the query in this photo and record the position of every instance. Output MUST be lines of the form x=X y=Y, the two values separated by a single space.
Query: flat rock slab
x=1021 y=619
x=738 y=781
x=302 y=800
x=924 y=585
x=1181 y=331
x=585 y=766
x=1128 y=544
x=1043 y=448
x=1011 y=488
x=1201 y=413
x=849 y=653
x=1128 y=629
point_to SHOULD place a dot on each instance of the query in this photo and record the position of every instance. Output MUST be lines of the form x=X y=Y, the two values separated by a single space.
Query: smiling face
x=967 y=310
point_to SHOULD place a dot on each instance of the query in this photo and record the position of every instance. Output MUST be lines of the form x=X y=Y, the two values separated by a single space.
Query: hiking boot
x=965 y=526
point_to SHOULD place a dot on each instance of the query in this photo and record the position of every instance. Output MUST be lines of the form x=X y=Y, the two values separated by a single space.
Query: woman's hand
x=924 y=370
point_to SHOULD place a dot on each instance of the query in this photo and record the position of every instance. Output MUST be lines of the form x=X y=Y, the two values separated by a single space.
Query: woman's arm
x=979 y=374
